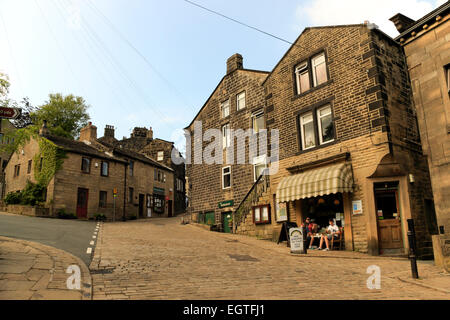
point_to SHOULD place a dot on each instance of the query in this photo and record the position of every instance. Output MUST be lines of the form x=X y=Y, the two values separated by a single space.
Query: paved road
x=70 y=235
x=162 y=259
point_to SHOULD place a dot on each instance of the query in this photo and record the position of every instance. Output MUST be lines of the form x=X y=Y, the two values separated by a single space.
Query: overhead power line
x=239 y=22
x=128 y=42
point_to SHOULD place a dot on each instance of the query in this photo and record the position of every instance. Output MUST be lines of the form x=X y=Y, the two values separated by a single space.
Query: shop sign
x=281 y=210
x=357 y=207
x=296 y=240
x=226 y=204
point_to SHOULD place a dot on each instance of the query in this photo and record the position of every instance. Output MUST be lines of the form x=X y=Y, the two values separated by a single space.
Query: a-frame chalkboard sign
x=284 y=233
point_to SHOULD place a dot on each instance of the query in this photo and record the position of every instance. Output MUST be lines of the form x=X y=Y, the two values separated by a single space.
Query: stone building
x=92 y=179
x=237 y=103
x=426 y=43
x=142 y=141
x=349 y=147
x=5 y=127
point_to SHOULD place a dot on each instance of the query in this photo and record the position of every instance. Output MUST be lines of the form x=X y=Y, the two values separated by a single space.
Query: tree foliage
x=65 y=115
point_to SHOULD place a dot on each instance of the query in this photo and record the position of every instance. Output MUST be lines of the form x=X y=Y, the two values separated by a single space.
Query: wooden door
x=82 y=202
x=388 y=216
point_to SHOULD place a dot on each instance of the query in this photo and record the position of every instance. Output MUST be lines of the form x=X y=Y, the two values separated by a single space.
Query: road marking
x=89 y=250
x=92 y=243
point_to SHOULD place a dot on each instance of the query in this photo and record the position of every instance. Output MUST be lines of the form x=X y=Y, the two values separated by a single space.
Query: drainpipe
x=125 y=191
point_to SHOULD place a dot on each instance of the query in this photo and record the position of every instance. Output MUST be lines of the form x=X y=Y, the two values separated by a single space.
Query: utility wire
x=239 y=22
x=121 y=69
x=11 y=52
x=124 y=38
x=59 y=46
x=88 y=54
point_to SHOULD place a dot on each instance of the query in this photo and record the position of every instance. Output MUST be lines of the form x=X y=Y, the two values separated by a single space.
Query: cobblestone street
x=162 y=259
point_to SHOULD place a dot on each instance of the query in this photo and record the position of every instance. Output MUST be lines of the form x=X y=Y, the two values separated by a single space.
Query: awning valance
x=316 y=182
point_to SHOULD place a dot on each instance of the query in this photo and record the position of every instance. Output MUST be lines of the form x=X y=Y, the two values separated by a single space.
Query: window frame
x=260 y=208
x=88 y=170
x=313 y=68
x=313 y=109
x=302 y=131
x=107 y=168
x=311 y=72
x=226 y=102
x=298 y=74
x=319 y=123
x=255 y=115
x=226 y=136
x=223 y=178
x=237 y=100
x=257 y=161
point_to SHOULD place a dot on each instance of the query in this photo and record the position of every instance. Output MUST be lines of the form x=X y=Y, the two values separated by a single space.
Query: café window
x=325 y=124
x=307 y=131
x=226 y=136
x=105 y=169
x=226 y=178
x=102 y=199
x=240 y=103
x=302 y=78
x=225 y=109
x=258 y=121
x=261 y=214
x=160 y=156
x=319 y=69
x=86 y=165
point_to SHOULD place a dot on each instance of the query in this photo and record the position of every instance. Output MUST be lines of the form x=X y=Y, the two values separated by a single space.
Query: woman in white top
x=332 y=231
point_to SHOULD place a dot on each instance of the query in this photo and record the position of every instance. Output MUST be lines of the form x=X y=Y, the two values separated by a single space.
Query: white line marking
x=89 y=250
x=92 y=243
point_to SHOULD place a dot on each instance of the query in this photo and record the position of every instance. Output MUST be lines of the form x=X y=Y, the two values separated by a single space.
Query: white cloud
x=336 y=12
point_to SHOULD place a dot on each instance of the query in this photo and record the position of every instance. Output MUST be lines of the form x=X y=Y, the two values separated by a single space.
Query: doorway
x=82 y=203
x=227 y=221
x=141 y=205
x=388 y=216
x=169 y=208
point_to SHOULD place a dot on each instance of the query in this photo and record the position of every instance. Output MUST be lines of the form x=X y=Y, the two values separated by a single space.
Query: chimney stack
x=235 y=62
x=88 y=133
x=402 y=22
x=43 y=131
x=109 y=131
x=150 y=133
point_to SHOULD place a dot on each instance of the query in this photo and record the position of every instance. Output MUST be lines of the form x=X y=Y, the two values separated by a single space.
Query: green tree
x=65 y=115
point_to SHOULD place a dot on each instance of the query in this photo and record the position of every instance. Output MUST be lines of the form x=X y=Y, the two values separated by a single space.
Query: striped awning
x=316 y=182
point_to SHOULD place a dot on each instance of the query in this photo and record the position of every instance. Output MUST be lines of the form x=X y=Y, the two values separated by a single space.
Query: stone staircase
x=258 y=194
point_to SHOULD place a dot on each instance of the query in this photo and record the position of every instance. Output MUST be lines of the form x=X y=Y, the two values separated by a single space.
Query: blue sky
x=66 y=46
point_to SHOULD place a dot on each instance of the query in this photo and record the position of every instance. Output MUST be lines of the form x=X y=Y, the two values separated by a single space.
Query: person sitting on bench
x=332 y=231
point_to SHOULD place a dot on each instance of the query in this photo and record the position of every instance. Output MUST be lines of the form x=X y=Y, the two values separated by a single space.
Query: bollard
x=412 y=249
